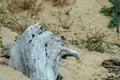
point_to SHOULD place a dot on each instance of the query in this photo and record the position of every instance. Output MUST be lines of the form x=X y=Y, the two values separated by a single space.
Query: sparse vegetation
x=60 y=2
x=94 y=44
x=21 y=5
x=95 y=41
x=16 y=22
x=73 y=42
x=64 y=22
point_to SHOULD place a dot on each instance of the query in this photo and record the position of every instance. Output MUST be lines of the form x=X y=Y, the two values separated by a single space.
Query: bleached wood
x=37 y=53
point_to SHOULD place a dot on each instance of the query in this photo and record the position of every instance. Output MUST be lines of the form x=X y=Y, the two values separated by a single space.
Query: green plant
x=107 y=11
x=95 y=44
x=111 y=11
x=95 y=41
x=79 y=61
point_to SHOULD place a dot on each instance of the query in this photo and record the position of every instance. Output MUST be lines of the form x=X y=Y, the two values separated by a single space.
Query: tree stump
x=37 y=53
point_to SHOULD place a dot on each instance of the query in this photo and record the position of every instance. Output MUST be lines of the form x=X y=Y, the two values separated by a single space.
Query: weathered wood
x=37 y=53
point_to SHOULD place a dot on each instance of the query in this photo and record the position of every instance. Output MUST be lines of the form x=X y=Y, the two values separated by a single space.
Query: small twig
x=16 y=22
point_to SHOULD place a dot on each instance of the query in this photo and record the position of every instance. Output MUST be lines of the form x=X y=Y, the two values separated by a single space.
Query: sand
x=85 y=14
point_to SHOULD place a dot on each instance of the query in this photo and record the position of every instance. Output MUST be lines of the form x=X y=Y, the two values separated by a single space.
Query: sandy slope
x=85 y=14
x=9 y=73
x=88 y=68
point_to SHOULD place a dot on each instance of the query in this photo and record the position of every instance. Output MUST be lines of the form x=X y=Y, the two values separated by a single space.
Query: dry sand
x=85 y=14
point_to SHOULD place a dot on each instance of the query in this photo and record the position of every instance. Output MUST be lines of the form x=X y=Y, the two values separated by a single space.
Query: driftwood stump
x=37 y=53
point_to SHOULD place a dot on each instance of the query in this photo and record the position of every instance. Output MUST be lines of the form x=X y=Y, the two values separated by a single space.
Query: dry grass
x=17 y=14
x=62 y=3
x=23 y=5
